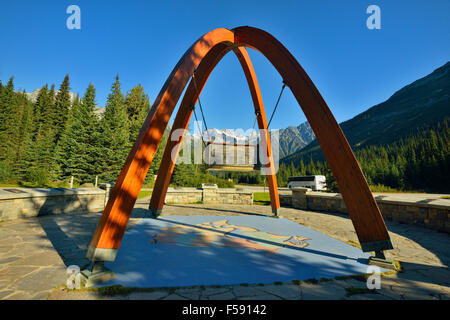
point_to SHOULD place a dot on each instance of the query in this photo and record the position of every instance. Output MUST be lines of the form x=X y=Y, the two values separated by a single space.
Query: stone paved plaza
x=35 y=252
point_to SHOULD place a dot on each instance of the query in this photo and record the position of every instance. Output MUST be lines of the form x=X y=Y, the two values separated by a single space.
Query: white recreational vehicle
x=316 y=183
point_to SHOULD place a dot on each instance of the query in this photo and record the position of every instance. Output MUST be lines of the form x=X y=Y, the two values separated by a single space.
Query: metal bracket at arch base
x=95 y=274
x=154 y=213
x=379 y=259
x=376 y=245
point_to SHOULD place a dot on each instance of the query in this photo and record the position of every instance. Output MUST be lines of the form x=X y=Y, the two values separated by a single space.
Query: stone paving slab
x=229 y=250
x=28 y=247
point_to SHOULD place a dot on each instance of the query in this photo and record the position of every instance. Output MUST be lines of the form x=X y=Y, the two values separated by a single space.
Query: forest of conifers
x=420 y=162
x=44 y=143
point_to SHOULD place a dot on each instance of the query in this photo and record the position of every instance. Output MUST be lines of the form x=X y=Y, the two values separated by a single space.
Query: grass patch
x=390 y=273
x=359 y=277
x=144 y=193
x=445 y=197
x=397 y=265
x=311 y=281
x=383 y=188
x=174 y=203
x=125 y=291
x=24 y=184
x=352 y=291
x=353 y=244
x=114 y=290
x=261 y=198
x=9 y=185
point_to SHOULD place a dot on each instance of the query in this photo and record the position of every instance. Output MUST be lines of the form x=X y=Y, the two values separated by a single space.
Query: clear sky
x=353 y=67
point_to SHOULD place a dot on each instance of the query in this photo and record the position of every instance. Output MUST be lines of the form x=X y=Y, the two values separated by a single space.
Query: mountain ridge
x=421 y=103
x=291 y=139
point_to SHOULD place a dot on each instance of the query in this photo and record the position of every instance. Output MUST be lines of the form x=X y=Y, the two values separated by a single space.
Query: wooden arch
x=205 y=54
x=185 y=112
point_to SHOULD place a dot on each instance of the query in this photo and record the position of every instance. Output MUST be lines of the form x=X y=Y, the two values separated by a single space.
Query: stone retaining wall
x=25 y=202
x=208 y=196
x=18 y=203
x=285 y=200
x=183 y=195
x=431 y=213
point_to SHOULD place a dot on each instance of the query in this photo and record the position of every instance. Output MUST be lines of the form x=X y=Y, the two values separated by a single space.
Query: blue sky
x=353 y=67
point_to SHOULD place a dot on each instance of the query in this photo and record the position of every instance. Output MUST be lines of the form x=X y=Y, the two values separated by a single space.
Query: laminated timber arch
x=184 y=114
x=205 y=53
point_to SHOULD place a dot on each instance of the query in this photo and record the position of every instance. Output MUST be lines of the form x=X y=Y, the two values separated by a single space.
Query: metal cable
x=276 y=105
x=199 y=102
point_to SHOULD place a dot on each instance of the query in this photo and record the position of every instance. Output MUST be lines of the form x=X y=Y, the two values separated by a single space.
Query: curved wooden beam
x=362 y=207
x=260 y=112
x=112 y=224
x=364 y=212
x=181 y=123
x=183 y=116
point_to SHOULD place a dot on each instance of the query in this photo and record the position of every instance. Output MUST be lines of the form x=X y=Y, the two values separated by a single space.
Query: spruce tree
x=114 y=135
x=42 y=108
x=40 y=148
x=9 y=119
x=138 y=106
x=25 y=133
x=50 y=111
x=183 y=174
x=61 y=108
x=77 y=149
x=40 y=157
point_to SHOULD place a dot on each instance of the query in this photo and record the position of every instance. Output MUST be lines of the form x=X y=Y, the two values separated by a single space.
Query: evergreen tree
x=78 y=150
x=420 y=162
x=9 y=119
x=61 y=108
x=40 y=157
x=40 y=147
x=25 y=133
x=183 y=174
x=42 y=109
x=114 y=135
x=138 y=105
x=50 y=109
x=302 y=168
